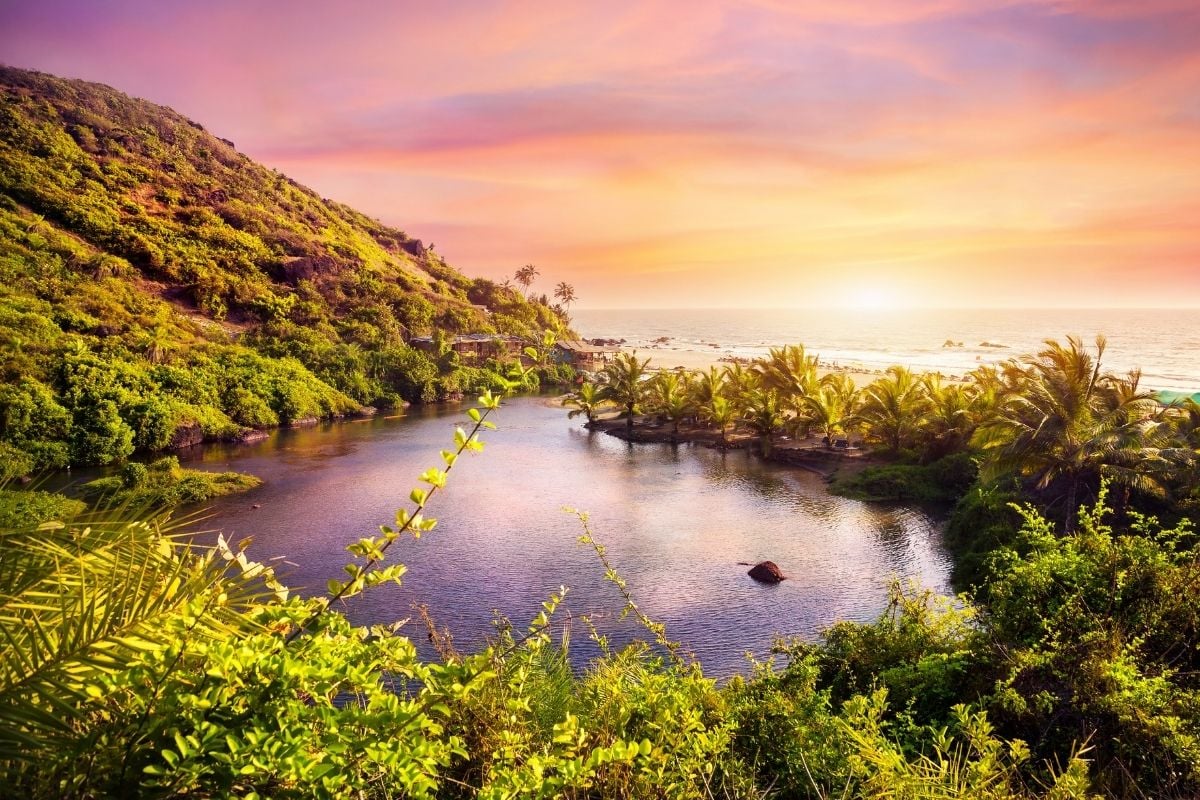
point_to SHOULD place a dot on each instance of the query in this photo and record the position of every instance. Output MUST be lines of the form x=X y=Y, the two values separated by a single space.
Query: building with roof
x=582 y=354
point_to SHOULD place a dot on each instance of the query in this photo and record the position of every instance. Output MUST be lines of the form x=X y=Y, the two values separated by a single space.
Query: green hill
x=156 y=286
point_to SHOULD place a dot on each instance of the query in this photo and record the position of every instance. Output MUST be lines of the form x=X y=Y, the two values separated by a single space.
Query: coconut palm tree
x=623 y=383
x=789 y=371
x=669 y=396
x=832 y=408
x=764 y=416
x=565 y=293
x=894 y=408
x=1068 y=424
x=526 y=276
x=586 y=400
x=739 y=383
x=704 y=386
x=951 y=418
x=719 y=411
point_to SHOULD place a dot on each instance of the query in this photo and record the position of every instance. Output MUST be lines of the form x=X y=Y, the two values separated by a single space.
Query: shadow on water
x=676 y=521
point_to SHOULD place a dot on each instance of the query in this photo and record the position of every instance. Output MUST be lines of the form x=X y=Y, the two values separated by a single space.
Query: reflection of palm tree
x=623 y=384
x=586 y=400
x=1068 y=424
x=893 y=408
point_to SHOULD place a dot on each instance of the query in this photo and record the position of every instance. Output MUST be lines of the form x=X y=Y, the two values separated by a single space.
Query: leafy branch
x=374 y=549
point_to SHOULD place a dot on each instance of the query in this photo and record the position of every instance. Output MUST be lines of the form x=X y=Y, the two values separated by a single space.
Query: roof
x=581 y=346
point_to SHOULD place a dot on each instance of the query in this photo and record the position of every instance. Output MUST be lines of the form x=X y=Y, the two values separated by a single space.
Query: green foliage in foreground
x=134 y=664
x=164 y=484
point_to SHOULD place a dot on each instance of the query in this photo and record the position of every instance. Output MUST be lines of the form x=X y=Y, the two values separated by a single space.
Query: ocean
x=1163 y=343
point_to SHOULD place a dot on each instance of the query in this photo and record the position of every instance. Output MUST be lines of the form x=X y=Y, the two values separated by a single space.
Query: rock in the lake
x=766 y=572
x=186 y=435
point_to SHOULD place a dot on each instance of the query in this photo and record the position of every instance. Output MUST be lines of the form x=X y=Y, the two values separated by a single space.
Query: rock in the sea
x=766 y=572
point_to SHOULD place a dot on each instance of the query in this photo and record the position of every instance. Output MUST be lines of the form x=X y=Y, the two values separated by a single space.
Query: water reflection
x=676 y=520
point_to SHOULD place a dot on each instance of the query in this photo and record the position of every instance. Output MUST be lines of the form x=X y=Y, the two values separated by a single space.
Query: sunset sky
x=772 y=153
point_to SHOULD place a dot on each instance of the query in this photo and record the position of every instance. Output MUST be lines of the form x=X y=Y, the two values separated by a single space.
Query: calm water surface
x=676 y=521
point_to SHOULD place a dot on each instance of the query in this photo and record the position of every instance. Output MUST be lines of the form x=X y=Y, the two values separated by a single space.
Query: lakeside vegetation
x=159 y=288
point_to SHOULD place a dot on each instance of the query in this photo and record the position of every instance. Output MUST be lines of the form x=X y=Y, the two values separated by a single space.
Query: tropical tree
x=832 y=407
x=719 y=411
x=586 y=400
x=526 y=276
x=894 y=409
x=739 y=384
x=623 y=383
x=670 y=397
x=1067 y=423
x=789 y=371
x=704 y=386
x=157 y=344
x=565 y=293
x=764 y=416
x=952 y=415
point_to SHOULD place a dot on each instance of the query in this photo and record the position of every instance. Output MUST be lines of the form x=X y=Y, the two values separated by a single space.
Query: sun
x=872 y=298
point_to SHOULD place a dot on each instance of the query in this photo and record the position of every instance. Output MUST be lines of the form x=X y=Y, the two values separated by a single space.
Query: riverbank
x=810 y=453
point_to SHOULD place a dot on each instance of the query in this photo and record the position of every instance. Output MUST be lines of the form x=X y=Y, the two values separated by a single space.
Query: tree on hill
x=525 y=276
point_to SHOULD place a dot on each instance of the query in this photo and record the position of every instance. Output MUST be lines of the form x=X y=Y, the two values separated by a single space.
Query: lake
x=676 y=521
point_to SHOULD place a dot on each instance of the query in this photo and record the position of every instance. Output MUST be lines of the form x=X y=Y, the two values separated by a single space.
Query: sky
x=764 y=153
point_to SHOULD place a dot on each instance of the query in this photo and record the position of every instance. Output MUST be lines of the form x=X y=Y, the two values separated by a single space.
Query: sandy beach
x=703 y=359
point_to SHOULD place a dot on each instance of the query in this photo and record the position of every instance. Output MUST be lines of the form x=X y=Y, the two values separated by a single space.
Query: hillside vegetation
x=157 y=286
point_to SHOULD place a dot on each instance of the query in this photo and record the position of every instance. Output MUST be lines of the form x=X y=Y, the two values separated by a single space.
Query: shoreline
x=809 y=453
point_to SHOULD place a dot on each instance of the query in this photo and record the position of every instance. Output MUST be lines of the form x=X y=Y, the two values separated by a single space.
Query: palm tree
x=720 y=412
x=1067 y=425
x=565 y=293
x=704 y=386
x=670 y=396
x=894 y=408
x=586 y=400
x=789 y=371
x=764 y=416
x=953 y=414
x=525 y=276
x=622 y=384
x=738 y=385
x=158 y=344
x=832 y=407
